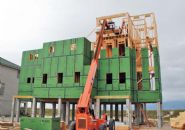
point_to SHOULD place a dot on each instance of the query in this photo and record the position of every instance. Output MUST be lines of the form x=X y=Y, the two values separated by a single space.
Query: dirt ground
x=166 y=126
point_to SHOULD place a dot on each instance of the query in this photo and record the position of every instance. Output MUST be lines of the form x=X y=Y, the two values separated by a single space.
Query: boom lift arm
x=84 y=120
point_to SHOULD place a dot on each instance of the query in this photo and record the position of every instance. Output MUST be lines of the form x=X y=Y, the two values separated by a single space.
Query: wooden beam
x=110 y=17
x=23 y=97
x=112 y=97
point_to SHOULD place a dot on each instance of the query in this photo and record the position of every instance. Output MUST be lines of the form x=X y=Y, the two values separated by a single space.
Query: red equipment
x=84 y=119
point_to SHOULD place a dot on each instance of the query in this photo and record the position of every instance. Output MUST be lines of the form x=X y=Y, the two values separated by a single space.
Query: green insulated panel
x=36 y=123
x=64 y=56
x=60 y=69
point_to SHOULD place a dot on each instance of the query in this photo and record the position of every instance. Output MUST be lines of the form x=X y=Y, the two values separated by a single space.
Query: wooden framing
x=136 y=31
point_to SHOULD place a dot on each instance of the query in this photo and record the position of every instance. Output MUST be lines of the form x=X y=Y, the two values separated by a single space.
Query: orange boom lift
x=85 y=119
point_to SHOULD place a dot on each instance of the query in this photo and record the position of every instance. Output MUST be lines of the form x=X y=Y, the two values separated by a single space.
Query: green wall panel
x=114 y=68
x=73 y=92
x=68 y=81
x=103 y=54
x=70 y=66
x=62 y=65
x=115 y=52
x=52 y=82
x=67 y=61
x=41 y=92
x=37 y=123
x=148 y=96
x=47 y=65
x=59 y=48
x=57 y=93
x=54 y=66
x=25 y=93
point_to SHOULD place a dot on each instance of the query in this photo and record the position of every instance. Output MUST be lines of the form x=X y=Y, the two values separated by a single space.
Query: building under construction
x=128 y=73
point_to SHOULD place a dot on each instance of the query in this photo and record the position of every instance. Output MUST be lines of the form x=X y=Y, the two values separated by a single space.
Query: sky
x=27 y=24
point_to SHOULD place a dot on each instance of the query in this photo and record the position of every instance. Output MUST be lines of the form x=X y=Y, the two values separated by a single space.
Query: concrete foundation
x=122 y=116
x=73 y=112
x=34 y=106
x=60 y=108
x=63 y=112
x=54 y=110
x=67 y=112
x=104 y=108
x=13 y=110
x=42 y=109
x=17 y=110
x=116 y=113
x=111 y=111
x=159 y=115
x=97 y=108
x=129 y=113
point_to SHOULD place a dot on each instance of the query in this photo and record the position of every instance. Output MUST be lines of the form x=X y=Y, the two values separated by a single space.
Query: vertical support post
x=100 y=110
x=104 y=108
x=34 y=105
x=97 y=112
x=144 y=107
x=121 y=112
x=116 y=112
x=73 y=111
x=54 y=110
x=137 y=114
x=141 y=116
x=60 y=108
x=17 y=110
x=63 y=112
x=13 y=109
x=129 y=113
x=42 y=109
x=26 y=108
x=67 y=112
x=111 y=111
x=159 y=114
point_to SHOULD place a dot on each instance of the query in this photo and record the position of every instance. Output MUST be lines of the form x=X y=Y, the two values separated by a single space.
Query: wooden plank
x=110 y=17
x=112 y=97
x=23 y=97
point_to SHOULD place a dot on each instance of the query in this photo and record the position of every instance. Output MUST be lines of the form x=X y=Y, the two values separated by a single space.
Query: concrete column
x=42 y=109
x=129 y=113
x=26 y=108
x=60 y=108
x=144 y=107
x=63 y=112
x=159 y=115
x=100 y=110
x=104 y=108
x=116 y=113
x=122 y=113
x=141 y=116
x=13 y=109
x=73 y=111
x=34 y=106
x=67 y=112
x=17 y=110
x=54 y=110
x=137 y=114
x=111 y=111
x=97 y=110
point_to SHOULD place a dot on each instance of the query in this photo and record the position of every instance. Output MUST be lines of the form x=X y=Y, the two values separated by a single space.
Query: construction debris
x=9 y=126
x=122 y=127
x=178 y=122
